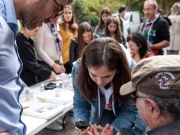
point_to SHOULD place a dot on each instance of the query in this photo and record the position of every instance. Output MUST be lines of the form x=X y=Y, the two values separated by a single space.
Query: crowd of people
x=116 y=91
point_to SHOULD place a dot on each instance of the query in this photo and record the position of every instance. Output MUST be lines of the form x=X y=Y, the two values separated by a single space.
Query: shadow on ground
x=69 y=128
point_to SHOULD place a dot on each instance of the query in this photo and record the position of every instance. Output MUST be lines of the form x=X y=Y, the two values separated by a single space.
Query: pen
x=24 y=107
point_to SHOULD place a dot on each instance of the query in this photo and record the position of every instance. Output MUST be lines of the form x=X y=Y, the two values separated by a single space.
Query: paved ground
x=69 y=129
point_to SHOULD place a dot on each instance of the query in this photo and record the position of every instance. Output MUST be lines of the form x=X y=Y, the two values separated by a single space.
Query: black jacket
x=172 y=128
x=31 y=68
x=73 y=50
x=159 y=31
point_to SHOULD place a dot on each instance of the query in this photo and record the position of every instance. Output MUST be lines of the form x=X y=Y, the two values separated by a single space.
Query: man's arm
x=164 y=35
x=160 y=45
x=4 y=133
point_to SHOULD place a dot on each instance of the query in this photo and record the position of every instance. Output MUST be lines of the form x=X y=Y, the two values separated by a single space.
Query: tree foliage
x=89 y=10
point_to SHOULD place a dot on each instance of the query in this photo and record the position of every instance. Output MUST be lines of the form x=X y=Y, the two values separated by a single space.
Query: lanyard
x=152 y=23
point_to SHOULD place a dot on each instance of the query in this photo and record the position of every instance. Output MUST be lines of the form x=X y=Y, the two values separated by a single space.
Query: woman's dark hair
x=117 y=32
x=63 y=25
x=83 y=27
x=99 y=52
x=101 y=24
x=141 y=42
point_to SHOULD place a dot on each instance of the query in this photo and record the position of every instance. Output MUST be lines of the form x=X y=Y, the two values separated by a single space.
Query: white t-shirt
x=108 y=94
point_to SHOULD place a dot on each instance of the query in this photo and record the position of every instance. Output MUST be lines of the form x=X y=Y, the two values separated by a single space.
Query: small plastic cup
x=57 y=92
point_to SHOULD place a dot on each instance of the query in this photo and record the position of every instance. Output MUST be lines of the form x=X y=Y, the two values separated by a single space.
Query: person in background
x=174 y=30
x=139 y=47
x=31 y=67
x=32 y=14
x=68 y=29
x=100 y=28
x=97 y=78
x=155 y=89
x=122 y=11
x=48 y=44
x=78 y=44
x=155 y=29
x=112 y=29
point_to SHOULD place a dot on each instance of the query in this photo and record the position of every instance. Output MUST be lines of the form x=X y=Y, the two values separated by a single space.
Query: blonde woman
x=174 y=30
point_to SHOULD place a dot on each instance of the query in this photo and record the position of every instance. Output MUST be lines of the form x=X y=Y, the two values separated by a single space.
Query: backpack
x=167 y=20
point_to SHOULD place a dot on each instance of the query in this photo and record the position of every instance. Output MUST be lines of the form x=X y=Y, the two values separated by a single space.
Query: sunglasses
x=134 y=96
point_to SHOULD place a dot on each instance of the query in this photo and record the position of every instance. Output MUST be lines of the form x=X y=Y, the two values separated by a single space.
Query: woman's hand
x=74 y=25
x=57 y=68
x=82 y=131
x=63 y=68
x=98 y=130
x=52 y=76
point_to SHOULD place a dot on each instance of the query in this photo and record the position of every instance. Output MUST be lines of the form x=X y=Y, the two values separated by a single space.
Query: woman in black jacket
x=77 y=44
x=31 y=68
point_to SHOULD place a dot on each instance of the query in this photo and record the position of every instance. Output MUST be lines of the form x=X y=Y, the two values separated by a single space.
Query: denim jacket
x=127 y=116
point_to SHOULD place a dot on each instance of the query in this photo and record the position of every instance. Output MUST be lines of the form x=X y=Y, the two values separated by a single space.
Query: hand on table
x=63 y=68
x=57 y=68
x=53 y=75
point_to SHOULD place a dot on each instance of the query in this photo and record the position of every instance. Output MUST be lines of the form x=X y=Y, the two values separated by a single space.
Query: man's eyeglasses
x=60 y=9
x=148 y=9
x=134 y=96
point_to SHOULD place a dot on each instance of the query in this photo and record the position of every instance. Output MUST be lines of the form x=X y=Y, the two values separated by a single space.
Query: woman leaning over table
x=97 y=78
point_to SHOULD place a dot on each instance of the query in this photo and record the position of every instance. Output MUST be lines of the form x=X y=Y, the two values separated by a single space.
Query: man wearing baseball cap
x=155 y=86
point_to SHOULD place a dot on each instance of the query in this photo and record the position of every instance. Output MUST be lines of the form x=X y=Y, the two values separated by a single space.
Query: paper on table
x=49 y=96
x=44 y=110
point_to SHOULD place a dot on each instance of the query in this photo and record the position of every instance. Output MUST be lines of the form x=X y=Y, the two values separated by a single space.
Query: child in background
x=31 y=67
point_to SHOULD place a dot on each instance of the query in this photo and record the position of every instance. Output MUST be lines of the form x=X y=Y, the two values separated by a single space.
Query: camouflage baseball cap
x=158 y=76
